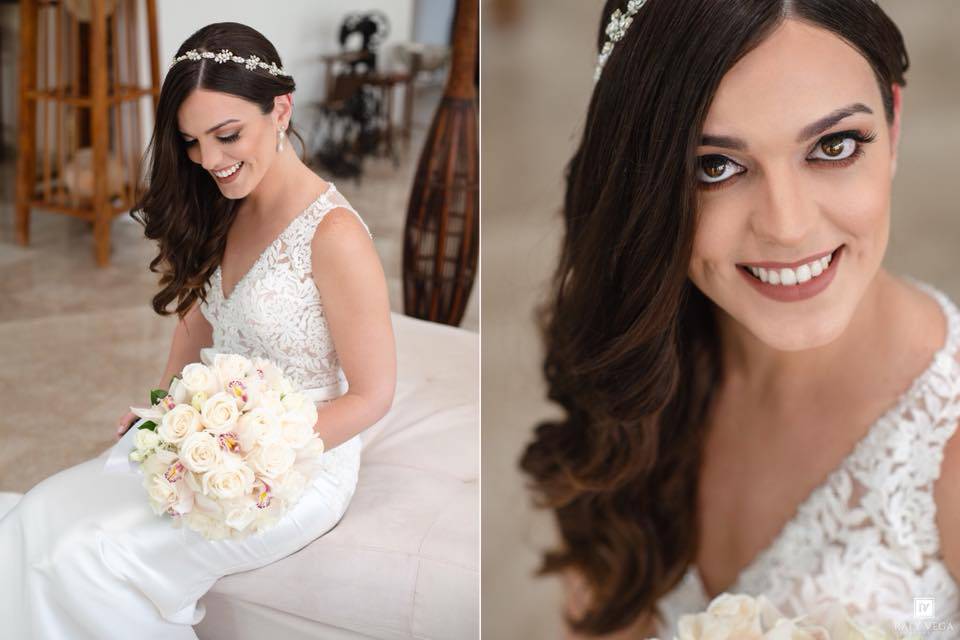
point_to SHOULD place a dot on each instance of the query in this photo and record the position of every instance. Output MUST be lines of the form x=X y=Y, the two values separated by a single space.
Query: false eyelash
x=861 y=137
x=228 y=139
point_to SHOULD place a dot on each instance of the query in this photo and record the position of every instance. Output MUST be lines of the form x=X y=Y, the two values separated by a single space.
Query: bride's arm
x=192 y=333
x=576 y=600
x=353 y=288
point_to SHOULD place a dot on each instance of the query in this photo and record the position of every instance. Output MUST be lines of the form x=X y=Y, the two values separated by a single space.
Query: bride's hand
x=124 y=423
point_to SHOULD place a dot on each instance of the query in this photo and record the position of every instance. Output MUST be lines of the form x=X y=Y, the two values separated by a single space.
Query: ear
x=283 y=110
x=895 y=127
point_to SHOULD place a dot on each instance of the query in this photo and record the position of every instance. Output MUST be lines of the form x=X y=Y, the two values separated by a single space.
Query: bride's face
x=223 y=131
x=795 y=170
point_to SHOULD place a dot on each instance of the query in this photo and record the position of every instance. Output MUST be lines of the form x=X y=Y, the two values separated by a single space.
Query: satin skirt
x=83 y=556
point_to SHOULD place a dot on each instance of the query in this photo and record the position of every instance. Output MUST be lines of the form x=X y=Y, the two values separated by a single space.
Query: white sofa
x=404 y=560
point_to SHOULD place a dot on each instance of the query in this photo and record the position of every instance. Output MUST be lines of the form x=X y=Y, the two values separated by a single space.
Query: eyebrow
x=215 y=127
x=806 y=133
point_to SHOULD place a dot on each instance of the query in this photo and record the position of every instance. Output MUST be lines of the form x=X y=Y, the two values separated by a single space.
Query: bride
x=753 y=404
x=82 y=554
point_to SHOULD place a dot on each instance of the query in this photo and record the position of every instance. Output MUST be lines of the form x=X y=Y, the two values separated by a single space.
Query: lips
x=788 y=265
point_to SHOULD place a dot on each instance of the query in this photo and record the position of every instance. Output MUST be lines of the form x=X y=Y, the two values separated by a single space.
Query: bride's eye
x=846 y=145
x=714 y=169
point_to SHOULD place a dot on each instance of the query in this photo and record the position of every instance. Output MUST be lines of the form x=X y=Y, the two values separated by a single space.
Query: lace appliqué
x=275 y=312
x=867 y=538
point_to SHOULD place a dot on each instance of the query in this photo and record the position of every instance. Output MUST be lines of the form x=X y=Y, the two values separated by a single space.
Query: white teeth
x=226 y=173
x=789 y=277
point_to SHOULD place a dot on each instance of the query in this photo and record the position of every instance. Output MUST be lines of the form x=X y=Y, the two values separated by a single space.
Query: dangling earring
x=281 y=136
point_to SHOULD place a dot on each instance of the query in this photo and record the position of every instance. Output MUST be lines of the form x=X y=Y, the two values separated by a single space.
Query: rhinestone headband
x=616 y=29
x=225 y=55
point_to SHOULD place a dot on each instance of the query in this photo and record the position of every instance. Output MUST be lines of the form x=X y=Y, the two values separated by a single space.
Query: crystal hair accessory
x=225 y=55
x=616 y=29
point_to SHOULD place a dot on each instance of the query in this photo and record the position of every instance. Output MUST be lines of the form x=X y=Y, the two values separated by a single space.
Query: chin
x=801 y=336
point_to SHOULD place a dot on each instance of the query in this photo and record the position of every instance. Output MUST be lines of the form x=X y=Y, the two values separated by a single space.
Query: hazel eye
x=835 y=148
x=713 y=169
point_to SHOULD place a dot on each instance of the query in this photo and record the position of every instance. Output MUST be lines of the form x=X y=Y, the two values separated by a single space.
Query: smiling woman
x=312 y=303
x=753 y=404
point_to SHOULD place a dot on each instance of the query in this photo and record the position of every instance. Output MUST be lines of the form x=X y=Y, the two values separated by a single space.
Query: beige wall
x=536 y=82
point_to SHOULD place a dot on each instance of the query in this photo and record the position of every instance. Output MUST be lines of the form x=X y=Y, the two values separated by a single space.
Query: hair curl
x=182 y=207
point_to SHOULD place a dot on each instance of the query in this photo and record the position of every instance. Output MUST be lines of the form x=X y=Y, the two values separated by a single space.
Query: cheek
x=715 y=243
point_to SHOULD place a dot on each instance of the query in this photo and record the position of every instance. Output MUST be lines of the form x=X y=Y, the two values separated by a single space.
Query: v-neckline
x=948 y=349
x=219 y=272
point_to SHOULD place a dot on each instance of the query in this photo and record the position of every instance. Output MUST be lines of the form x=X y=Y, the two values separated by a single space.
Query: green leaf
x=149 y=424
x=157 y=395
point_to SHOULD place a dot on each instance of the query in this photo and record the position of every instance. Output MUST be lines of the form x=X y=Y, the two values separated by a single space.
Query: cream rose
x=197 y=377
x=296 y=432
x=165 y=495
x=220 y=413
x=200 y=452
x=290 y=486
x=178 y=423
x=272 y=458
x=231 y=479
x=238 y=514
x=207 y=526
x=256 y=425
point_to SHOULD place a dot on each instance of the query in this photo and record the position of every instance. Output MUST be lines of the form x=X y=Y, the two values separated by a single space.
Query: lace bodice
x=867 y=537
x=275 y=312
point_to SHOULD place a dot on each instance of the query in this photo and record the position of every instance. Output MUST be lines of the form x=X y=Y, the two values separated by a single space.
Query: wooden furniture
x=80 y=111
x=441 y=236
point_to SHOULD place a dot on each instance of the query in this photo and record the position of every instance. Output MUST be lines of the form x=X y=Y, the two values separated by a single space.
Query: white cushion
x=404 y=560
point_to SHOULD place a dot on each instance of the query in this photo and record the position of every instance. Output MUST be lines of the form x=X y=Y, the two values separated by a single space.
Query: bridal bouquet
x=742 y=617
x=228 y=448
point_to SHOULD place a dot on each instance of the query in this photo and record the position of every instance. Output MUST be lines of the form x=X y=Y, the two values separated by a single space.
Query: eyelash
x=860 y=137
x=228 y=139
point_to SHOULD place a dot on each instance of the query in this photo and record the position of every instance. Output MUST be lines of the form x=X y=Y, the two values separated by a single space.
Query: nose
x=787 y=211
x=210 y=157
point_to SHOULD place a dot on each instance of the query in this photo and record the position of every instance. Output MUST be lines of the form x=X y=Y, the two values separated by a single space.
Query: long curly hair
x=182 y=207
x=632 y=351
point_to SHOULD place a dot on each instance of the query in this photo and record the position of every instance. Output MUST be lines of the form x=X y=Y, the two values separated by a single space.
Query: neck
x=791 y=377
x=280 y=180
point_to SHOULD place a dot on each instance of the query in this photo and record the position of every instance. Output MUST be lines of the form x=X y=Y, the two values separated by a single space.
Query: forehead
x=798 y=74
x=203 y=109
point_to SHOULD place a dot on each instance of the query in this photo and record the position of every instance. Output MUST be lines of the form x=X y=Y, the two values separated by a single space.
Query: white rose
x=231 y=479
x=270 y=399
x=290 y=486
x=727 y=616
x=220 y=413
x=146 y=440
x=163 y=494
x=197 y=377
x=210 y=527
x=238 y=514
x=272 y=458
x=231 y=366
x=178 y=391
x=178 y=423
x=296 y=432
x=255 y=425
x=200 y=452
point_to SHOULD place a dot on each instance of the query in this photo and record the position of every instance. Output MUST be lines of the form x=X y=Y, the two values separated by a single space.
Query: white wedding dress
x=82 y=555
x=866 y=539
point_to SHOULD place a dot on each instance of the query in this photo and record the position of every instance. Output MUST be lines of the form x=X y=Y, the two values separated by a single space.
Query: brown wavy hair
x=632 y=351
x=182 y=207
